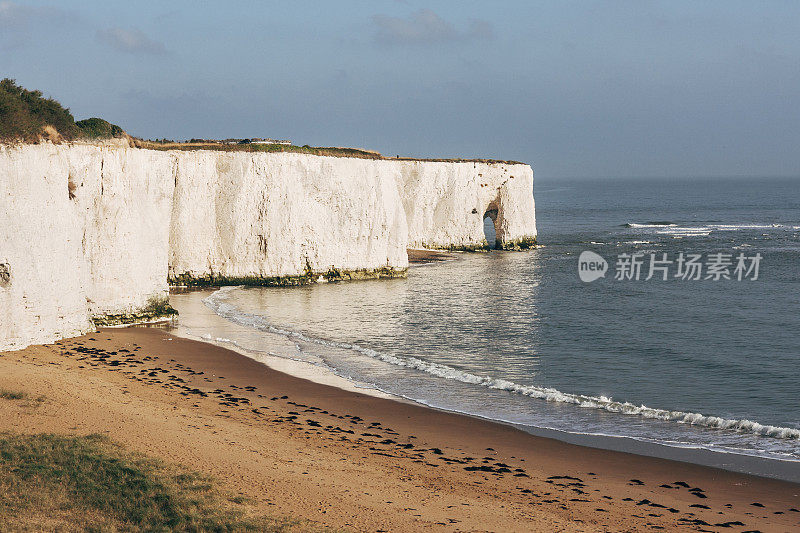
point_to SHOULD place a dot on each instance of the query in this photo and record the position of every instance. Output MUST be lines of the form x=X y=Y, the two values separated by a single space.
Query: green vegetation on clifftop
x=332 y=151
x=24 y=114
x=97 y=128
x=28 y=116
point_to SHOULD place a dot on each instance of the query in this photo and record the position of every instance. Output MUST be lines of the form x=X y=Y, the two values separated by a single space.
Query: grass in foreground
x=12 y=395
x=53 y=482
x=28 y=400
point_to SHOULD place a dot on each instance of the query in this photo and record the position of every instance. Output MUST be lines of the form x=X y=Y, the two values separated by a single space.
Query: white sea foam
x=649 y=225
x=216 y=302
x=700 y=231
x=670 y=228
x=734 y=227
x=679 y=231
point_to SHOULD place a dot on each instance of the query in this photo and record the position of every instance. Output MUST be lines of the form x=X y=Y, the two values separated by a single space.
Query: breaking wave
x=735 y=227
x=215 y=302
x=686 y=232
x=672 y=228
x=654 y=224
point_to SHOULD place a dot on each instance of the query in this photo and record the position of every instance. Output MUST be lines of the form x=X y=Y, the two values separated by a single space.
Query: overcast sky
x=587 y=88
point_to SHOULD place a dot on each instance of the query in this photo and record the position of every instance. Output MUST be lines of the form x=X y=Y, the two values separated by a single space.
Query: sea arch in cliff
x=490 y=225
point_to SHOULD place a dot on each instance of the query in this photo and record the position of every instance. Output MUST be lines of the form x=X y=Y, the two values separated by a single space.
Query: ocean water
x=518 y=337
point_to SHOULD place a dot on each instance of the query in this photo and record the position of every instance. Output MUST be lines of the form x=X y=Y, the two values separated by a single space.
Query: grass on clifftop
x=54 y=482
x=330 y=151
x=333 y=151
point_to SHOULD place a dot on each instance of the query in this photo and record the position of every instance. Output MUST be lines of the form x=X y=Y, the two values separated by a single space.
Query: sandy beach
x=350 y=461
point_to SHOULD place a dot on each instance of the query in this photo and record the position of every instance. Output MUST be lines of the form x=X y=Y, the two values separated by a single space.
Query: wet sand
x=420 y=256
x=353 y=461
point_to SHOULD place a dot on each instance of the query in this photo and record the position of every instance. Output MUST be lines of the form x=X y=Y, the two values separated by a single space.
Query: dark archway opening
x=489 y=230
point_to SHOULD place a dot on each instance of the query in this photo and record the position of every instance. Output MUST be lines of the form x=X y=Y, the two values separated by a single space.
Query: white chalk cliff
x=91 y=230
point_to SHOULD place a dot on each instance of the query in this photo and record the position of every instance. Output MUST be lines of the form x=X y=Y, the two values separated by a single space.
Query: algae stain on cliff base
x=309 y=277
x=525 y=243
x=516 y=245
x=157 y=309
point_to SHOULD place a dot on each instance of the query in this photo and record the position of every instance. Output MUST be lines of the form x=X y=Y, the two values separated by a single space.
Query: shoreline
x=769 y=468
x=291 y=367
x=199 y=316
x=347 y=459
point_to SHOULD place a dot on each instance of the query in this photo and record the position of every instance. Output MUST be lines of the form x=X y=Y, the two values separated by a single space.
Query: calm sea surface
x=519 y=337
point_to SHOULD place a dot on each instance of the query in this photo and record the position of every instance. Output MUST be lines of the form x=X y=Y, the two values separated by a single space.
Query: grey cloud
x=426 y=27
x=132 y=41
x=13 y=15
x=20 y=23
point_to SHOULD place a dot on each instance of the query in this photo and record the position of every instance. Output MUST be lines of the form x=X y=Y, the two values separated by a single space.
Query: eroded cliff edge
x=94 y=233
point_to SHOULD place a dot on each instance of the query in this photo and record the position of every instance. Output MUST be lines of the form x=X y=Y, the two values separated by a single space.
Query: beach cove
x=252 y=335
x=345 y=459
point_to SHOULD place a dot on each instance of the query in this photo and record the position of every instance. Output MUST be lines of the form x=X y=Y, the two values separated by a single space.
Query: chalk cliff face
x=88 y=231
x=42 y=292
x=123 y=200
x=445 y=203
x=241 y=215
x=83 y=232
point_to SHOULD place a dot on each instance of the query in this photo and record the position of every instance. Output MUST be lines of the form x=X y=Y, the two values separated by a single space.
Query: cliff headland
x=97 y=225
